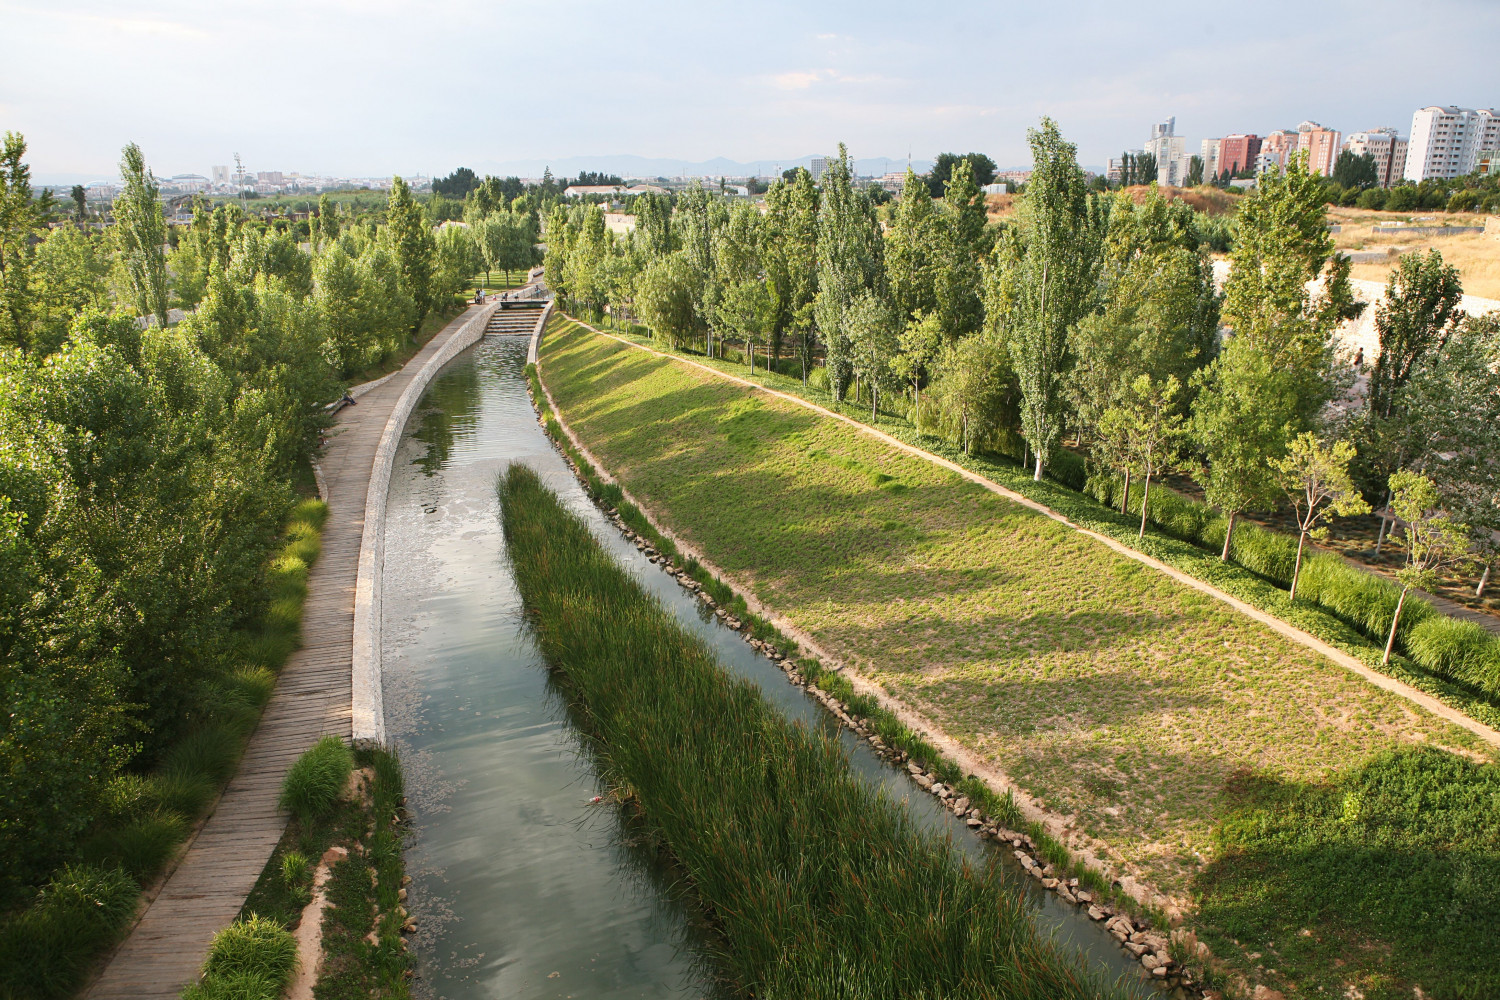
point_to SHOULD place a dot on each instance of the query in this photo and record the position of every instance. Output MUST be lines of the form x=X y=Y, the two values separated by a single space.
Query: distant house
x=611 y=190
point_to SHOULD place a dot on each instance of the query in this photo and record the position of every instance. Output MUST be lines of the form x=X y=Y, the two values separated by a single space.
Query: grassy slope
x=760 y=813
x=1106 y=689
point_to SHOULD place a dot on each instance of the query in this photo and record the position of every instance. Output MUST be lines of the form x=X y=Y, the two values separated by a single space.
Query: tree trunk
x=1125 y=496
x=874 y=401
x=1484 y=579
x=1037 y=476
x=1380 y=535
x=966 y=432
x=916 y=391
x=1145 y=496
x=1297 y=566
x=1390 y=643
x=1228 y=534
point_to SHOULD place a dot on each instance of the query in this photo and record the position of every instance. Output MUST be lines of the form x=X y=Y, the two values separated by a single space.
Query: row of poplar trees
x=1089 y=323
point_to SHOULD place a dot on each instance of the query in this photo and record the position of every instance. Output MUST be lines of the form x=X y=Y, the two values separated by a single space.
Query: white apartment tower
x=1167 y=147
x=1447 y=141
x=1386 y=147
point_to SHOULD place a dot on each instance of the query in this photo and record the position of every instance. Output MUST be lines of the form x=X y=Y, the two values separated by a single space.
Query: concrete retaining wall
x=368 y=702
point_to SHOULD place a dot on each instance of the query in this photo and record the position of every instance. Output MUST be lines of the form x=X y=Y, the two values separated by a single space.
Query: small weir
x=522 y=885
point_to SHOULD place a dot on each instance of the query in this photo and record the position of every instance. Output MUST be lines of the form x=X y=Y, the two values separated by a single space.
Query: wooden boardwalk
x=204 y=893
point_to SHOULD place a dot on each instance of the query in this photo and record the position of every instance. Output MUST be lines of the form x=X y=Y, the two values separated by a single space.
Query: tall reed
x=819 y=885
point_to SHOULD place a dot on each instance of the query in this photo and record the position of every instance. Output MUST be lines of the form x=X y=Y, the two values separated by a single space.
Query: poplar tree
x=871 y=326
x=140 y=233
x=1056 y=277
x=19 y=223
x=909 y=247
x=412 y=245
x=959 y=239
x=789 y=256
x=1419 y=312
x=849 y=262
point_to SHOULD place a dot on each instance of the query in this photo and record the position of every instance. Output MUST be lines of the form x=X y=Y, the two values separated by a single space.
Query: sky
x=374 y=87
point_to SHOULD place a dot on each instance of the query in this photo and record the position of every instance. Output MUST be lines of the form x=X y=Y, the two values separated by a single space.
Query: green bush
x=313 y=784
x=252 y=958
x=140 y=846
x=210 y=753
x=1266 y=553
x=46 y=949
x=1462 y=650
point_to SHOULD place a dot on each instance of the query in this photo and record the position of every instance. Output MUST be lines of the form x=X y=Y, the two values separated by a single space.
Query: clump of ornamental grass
x=313 y=784
x=46 y=948
x=819 y=885
x=251 y=959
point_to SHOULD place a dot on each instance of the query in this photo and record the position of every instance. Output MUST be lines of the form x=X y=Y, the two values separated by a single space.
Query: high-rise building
x=1237 y=153
x=818 y=167
x=1167 y=146
x=1321 y=146
x=1209 y=151
x=220 y=175
x=1276 y=149
x=1448 y=141
x=1386 y=147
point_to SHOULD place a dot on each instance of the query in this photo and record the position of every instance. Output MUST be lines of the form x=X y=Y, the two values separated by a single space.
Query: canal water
x=523 y=887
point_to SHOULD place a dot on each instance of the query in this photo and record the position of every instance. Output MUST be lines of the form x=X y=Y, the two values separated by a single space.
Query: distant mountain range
x=626 y=165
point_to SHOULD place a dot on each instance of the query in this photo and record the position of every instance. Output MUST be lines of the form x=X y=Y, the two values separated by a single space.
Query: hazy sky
x=370 y=87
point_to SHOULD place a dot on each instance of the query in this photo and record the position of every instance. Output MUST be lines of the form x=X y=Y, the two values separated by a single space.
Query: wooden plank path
x=204 y=893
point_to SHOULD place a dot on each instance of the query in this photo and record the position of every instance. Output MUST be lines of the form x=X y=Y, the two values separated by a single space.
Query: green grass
x=819 y=886
x=1120 y=699
x=362 y=890
x=1382 y=878
x=1268 y=555
x=46 y=948
x=313 y=783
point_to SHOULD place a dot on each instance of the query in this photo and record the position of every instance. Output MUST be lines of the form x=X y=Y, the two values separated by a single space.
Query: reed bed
x=819 y=886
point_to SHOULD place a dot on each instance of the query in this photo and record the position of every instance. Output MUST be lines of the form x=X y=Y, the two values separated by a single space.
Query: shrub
x=254 y=954
x=313 y=784
x=1462 y=650
x=45 y=949
x=140 y=846
x=209 y=753
x=1265 y=553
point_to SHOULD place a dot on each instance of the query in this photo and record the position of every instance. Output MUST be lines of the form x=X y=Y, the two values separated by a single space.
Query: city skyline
x=788 y=83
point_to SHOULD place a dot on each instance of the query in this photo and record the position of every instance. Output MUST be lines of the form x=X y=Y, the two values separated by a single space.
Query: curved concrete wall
x=368 y=704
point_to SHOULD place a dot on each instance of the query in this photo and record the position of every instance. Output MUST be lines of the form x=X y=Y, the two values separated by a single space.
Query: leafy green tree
x=1056 y=281
x=1240 y=421
x=140 y=234
x=1315 y=478
x=849 y=263
x=665 y=299
x=1420 y=310
x=919 y=346
x=789 y=257
x=981 y=169
x=959 y=242
x=70 y=278
x=871 y=326
x=1195 y=171
x=1433 y=539
x=972 y=384
x=457 y=256
x=412 y=246
x=80 y=203
x=1353 y=170
x=910 y=247
x=20 y=223
x=653 y=224
x=1147 y=423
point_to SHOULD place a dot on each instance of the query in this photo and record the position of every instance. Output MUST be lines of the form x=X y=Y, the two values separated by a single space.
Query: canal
x=523 y=886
